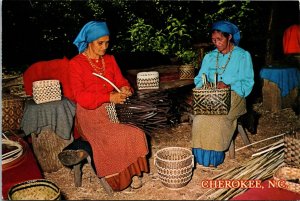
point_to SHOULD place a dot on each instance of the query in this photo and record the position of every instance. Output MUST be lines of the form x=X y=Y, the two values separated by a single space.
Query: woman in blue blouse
x=212 y=134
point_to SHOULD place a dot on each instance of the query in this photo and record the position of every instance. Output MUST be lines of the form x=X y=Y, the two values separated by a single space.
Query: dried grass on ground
x=270 y=124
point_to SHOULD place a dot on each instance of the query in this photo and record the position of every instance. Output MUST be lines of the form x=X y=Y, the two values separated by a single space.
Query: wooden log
x=46 y=147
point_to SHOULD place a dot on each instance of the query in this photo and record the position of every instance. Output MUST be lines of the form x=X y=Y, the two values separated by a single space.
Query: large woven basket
x=174 y=166
x=289 y=177
x=148 y=80
x=44 y=91
x=211 y=100
x=40 y=189
x=292 y=149
x=186 y=72
x=12 y=111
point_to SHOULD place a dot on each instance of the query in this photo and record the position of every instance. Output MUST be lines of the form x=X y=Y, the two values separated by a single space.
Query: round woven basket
x=186 y=72
x=288 y=175
x=40 y=189
x=292 y=149
x=148 y=80
x=174 y=166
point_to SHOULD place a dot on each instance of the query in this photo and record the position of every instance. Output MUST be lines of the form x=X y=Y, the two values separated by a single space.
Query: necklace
x=97 y=69
x=223 y=67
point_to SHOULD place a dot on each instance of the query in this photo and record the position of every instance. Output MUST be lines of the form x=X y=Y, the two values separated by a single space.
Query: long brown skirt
x=119 y=150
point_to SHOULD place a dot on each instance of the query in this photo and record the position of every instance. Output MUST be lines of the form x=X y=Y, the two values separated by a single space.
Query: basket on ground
x=290 y=176
x=39 y=189
x=174 y=166
x=292 y=149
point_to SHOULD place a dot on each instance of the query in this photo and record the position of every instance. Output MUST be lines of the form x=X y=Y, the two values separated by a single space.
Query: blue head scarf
x=228 y=27
x=90 y=32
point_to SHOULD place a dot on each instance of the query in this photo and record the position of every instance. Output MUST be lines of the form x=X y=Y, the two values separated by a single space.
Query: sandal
x=136 y=182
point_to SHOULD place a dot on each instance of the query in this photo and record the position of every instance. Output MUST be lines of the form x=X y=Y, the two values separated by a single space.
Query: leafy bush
x=173 y=40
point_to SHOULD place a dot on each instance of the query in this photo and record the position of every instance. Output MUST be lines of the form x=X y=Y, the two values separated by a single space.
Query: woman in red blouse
x=119 y=150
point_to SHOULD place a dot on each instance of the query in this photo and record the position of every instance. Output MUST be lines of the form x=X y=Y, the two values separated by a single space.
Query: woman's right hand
x=117 y=98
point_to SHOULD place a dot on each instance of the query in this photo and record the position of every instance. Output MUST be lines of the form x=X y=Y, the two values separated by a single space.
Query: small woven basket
x=44 y=91
x=186 y=72
x=12 y=111
x=174 y=166
x=290 y=176
x=40 y=189
x=292 y=149
x=211 y=101
x=148 y=80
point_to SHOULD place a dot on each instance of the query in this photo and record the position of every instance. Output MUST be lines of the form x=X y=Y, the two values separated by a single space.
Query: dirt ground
x=270 y=124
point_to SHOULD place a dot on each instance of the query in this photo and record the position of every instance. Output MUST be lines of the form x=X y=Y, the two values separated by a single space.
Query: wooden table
x=168 y=76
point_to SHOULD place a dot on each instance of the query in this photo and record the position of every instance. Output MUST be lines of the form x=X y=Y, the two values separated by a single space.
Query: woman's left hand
x=126 y=90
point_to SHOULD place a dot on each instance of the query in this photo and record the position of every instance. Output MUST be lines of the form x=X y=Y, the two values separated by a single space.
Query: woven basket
x=212 y=100
x=39 y=189
x=112 y=113
x=148 y=80
x=174 y=166
x=292 y=149
x=44 y=91
x=12 y=111
x=291 y=176
x=186 y=72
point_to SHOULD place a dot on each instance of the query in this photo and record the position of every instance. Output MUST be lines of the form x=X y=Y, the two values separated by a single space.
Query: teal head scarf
x=228 y=27
x=90 y=32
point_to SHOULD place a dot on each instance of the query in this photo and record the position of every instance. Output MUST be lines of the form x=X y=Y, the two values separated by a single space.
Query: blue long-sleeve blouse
x=239 y=73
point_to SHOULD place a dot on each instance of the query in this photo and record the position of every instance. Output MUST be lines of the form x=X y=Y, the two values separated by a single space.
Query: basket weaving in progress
x=148 y=80
x=44 y=91
x=148 y=111
x=211 y=100
x=175 y=166
x=39 y=189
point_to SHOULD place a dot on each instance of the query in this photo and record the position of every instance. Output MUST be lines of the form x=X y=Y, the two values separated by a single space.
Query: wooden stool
x=245 y=139
x=74 y=156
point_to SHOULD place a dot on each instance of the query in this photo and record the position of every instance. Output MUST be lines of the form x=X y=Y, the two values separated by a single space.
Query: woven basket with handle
x=210 y=100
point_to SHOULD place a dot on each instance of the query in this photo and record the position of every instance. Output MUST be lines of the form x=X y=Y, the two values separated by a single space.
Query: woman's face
x=221 y=42
x=100 y=45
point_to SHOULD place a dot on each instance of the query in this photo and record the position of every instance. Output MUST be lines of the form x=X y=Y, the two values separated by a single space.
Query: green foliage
x=189 y=56
x=174 y=39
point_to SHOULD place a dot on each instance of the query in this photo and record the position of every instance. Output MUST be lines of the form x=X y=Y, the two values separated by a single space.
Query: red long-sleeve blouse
x=89 y=90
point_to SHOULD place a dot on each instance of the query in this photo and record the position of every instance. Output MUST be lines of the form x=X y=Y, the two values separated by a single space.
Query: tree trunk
x=269 y=49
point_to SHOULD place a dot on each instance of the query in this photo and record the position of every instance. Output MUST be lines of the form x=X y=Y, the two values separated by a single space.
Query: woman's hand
x=117 y=98
x=126 y=90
